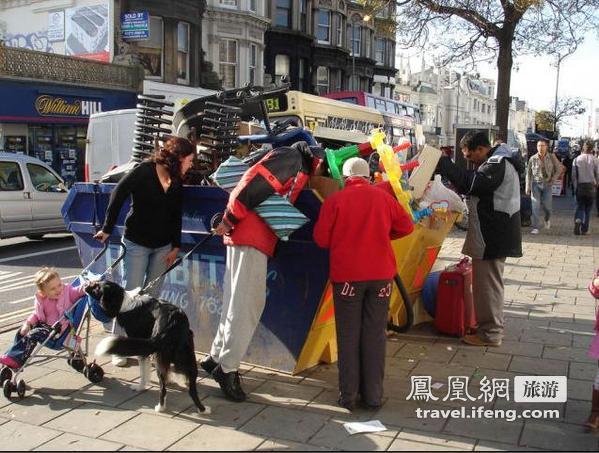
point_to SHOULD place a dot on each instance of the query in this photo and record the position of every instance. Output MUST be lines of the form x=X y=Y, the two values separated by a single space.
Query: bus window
x=350 y=100
x=370 y=102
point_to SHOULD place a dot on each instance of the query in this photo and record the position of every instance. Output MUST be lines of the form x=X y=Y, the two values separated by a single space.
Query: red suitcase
x=454 y=314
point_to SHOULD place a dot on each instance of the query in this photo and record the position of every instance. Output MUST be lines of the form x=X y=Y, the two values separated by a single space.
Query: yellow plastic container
x=415 y=255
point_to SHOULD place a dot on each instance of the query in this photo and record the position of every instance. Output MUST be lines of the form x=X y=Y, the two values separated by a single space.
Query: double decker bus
x=401 y=118
x=331 y=122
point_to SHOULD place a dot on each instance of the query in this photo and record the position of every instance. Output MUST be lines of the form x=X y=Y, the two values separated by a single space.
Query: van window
x=10 y=177
x=42 y=179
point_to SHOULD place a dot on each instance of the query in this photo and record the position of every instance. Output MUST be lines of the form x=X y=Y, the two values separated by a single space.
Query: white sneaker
x=547 y=224
x=119 y=361
x=534 y=231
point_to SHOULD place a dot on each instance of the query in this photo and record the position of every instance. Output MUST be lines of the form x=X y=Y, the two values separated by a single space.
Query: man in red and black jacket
x=250 y=242
x=357 y=225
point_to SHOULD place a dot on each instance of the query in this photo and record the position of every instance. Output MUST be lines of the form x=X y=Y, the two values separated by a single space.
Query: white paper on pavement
x=372 y=426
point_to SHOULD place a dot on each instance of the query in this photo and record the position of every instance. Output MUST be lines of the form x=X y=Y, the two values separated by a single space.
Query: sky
x=533 y=80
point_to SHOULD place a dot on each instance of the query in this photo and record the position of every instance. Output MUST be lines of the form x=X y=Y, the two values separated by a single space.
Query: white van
x=109 y=142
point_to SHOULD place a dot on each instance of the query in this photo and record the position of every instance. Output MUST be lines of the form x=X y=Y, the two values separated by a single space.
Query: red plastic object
x=454 y=313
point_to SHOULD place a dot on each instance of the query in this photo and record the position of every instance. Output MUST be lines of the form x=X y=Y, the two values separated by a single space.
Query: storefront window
x=282 y=66
x=183 y=53
x=151 y=50
x=322 y=80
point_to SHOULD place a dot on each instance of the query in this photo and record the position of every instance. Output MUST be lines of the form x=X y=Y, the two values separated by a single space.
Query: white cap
x=355 y=166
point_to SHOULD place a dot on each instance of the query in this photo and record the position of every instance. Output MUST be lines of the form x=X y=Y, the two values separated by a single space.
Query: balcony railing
x=31 y=65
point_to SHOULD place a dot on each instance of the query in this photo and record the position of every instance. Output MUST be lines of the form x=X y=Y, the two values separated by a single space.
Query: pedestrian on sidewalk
x=586 y=179
x=493 y=227
x=153 y=225
x=52 y=300
x=593 y=421
x=543 y=169
x=250 y=242
x=356 y=225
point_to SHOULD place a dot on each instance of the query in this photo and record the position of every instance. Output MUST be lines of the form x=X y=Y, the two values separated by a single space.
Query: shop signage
x=135 y=26
x=47 y=105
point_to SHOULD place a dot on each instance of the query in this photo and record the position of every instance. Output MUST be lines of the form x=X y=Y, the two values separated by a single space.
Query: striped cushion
x=281 y=216
x=228 y=175
x=278 y=213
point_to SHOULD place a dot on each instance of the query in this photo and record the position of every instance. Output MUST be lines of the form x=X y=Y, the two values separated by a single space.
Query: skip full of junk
x=297 y=328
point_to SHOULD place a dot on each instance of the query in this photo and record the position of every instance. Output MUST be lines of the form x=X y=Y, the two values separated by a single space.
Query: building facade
x=233 y=40
x=336 y=46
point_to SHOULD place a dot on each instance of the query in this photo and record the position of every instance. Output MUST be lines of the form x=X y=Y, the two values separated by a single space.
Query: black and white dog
x=153 y=327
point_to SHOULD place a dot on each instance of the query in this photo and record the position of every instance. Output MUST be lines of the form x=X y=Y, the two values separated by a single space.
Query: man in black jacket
x=494 y=226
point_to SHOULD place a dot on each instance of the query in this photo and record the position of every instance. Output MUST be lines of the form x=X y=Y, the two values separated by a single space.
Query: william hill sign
x=47 y=105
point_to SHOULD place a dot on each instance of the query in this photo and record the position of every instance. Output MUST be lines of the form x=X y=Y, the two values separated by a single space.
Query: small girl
x=52 y=299
x=593 y=421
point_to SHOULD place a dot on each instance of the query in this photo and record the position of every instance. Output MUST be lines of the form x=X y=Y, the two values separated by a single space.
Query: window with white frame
x=355 y=39
x=151 y=50
x=322 y=80
x=253 y=5
x=379 y=50
x=253 y=57
x=228 y=3
x=228 y=62
x=323 y=31
x=282 y=66
x=303 y=8
x=183 y=52
x=283 y=13
x=339 y=30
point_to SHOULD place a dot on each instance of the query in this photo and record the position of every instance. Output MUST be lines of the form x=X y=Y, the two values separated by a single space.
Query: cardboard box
x=324 y=186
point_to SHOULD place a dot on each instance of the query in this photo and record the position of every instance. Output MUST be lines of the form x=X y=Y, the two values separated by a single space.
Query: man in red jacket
x=356 y=224
x=250 y=242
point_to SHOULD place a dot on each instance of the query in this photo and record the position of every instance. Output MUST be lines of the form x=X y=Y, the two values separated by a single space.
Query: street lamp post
x=559 y=62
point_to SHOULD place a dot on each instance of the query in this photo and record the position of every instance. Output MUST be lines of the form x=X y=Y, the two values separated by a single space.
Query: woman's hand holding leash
x=171 y=256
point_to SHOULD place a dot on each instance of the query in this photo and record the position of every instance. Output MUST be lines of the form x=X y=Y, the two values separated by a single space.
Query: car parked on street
x=31 y=197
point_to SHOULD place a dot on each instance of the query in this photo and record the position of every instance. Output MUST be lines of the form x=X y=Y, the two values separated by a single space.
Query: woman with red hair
x=153 y=224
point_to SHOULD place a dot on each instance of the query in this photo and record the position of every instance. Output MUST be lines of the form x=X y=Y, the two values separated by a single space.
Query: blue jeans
x=141 y=265
x=584 y=205
x=541 y=200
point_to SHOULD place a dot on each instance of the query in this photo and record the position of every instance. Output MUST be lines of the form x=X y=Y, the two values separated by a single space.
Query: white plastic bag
x=436 y=191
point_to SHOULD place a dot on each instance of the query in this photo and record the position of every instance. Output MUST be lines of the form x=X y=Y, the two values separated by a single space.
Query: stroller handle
x=100 y=254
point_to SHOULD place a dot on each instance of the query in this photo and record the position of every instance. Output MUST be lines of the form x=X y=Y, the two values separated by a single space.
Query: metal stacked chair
x=154 y=122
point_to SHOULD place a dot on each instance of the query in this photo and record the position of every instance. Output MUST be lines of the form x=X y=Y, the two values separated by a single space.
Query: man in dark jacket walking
x=356 y=224
x=494 y=227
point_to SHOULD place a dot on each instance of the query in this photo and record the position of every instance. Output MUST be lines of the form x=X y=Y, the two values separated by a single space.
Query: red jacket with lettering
x=275 y=172
x=357 y=224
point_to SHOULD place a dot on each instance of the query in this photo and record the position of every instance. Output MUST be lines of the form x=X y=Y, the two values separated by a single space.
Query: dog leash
x=214 y=221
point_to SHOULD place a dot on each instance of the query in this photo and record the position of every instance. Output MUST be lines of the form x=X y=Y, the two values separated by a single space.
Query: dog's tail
x=126 y=347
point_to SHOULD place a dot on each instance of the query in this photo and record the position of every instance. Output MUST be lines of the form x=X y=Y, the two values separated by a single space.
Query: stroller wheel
x=76 y=363
x=93 y=372
x=7 y=388
x=21 y=387
x=5 y=375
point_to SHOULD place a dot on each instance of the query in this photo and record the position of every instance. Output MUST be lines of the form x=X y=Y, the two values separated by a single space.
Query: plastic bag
x=436 y=191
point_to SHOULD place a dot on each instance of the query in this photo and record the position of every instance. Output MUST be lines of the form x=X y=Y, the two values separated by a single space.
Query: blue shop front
x=49 y=121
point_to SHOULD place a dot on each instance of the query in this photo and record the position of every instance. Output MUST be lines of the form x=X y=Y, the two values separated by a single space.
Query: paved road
x=20 y=258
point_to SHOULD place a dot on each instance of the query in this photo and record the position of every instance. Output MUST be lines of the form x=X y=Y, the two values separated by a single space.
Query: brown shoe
x=593 y=421
x=475 y=340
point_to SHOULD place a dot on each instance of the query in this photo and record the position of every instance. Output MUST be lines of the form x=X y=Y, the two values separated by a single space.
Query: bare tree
x=566 y=107
x=472 y=31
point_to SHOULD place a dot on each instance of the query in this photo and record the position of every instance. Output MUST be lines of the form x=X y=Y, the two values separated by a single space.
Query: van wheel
x=35 y=237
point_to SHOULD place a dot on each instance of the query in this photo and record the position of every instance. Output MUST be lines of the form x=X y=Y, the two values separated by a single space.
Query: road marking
x=9 y=275
x=29 y=255
x=17 y=280
x=13 y=314
x=14 y=302
x=16 y=286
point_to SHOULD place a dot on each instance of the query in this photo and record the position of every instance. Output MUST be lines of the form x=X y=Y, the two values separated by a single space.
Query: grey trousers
x=361 y=315
x=244 y=297
x=487 y=290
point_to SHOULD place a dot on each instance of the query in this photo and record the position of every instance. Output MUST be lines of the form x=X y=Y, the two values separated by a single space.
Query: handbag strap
x=290 y=191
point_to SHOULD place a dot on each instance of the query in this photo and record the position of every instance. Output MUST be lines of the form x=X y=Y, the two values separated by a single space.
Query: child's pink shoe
x=9 y=362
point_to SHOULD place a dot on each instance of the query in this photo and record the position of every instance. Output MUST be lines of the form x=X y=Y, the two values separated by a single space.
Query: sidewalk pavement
x=549 y=324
